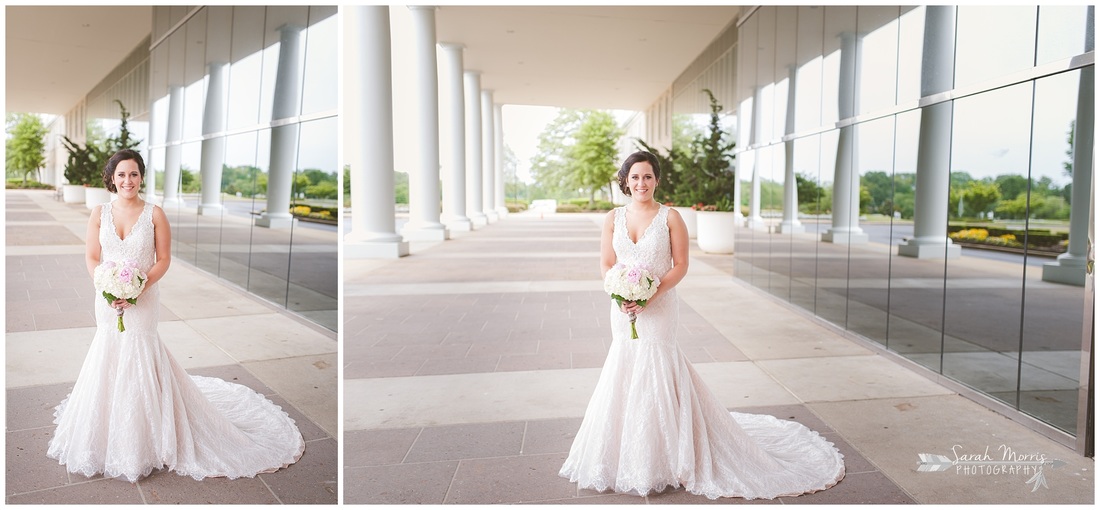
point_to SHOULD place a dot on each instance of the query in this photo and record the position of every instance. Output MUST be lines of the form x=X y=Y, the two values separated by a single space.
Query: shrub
x=569 y=208
x=19 y=184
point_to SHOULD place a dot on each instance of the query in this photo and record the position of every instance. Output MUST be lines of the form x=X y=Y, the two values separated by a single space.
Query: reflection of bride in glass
x=652 y=423
x=133 y=408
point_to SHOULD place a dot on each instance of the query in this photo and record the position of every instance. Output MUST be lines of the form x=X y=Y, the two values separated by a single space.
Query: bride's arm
x=162 y=239
x=92 y=250
x=607 y=250
x=678 y=238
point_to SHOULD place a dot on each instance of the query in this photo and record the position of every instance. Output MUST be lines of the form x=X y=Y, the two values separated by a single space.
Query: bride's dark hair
x=119 y=157
x=637 y=157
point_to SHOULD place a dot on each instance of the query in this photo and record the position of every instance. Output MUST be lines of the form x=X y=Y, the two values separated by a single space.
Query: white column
x=738 y=216
x=453 y=118
x=845 y=227
x=790 y=223
x=498 y=137
x=934 y=146
x=368 y=136
x=213 y=143
x=1070 y=266
x=754 y=221
x=424 y=190
x=173 y=153
x=473 y=149
x=488 y=158
x=284 y=138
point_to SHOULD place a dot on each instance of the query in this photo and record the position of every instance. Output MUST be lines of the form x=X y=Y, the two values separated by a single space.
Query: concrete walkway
x=468 y=366
x=211 y=328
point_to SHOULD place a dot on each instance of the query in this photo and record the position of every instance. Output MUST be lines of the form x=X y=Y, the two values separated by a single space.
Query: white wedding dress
x=134 y=409
x=652 y=423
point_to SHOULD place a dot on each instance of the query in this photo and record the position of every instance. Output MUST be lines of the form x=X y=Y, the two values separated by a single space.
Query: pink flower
x=126 y=275
x=634 y=275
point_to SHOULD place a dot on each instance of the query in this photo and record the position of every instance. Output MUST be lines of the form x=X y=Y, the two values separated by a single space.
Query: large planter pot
x=715 y=231
x=688 y=214
x=96 y=196
x=73 y=193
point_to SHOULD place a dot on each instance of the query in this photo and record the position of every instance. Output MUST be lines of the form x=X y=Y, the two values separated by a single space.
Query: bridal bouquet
x=630 y=283
x=120 y=281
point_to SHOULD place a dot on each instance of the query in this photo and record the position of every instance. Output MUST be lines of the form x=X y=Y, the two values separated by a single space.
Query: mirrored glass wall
x=243 y=147
x=944 y=212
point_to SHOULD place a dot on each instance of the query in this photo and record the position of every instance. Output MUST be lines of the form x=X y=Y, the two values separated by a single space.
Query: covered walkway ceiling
x=616 y=57
x=619 y=57
x=55 y=55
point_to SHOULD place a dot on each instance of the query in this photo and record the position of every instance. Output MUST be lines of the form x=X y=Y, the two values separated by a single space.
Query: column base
x=478 y=220
x=429 y=233
x=459 y=225
x=375 y=250
x=492 y=215
x=1067 y=269
x=929 y=250
x=274 y=222
x=502 y=211
x=852 y=237
x=756 y=223
x=211 y=210
x=790 y=227
x=172 y=202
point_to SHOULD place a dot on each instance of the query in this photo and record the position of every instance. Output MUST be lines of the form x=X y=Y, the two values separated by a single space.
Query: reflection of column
x=284 y=139
x=424 y=193
x=473 y=149
x=213 y=148
x=845 y=227
x=488 y=158
x=934 y=147
x=1070 y=266
x=371 y=155
x=790 y=223
x=454 y=186
x=172 y=153
x=754 y=220
x=498 y=161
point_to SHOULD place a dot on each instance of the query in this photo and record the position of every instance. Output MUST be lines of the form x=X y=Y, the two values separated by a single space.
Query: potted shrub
x=81 y=169
x=708 y=180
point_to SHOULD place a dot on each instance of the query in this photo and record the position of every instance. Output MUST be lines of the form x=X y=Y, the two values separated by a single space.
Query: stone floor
x=211 y=328
x=468 y=366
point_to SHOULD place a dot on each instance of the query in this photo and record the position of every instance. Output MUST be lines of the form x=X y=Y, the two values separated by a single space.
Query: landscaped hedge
x=19 y=184
x=1036 y=238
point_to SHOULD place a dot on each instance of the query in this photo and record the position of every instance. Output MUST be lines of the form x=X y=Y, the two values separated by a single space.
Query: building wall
x=985 y=319
x=220 y=88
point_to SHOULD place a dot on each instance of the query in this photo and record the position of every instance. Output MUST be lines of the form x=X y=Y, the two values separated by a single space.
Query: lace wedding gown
x=134 y=409
x=652 y=422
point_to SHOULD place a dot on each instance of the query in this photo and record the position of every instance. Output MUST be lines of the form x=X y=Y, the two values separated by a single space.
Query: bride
x=652 y=423
x=133 y=408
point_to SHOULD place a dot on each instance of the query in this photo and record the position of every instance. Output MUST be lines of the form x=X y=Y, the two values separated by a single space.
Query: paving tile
x=28 y=467
x=311 y=480
x=454 y=442
x=234 y=374
x=589 y=359
x=470 y=365
x=64 y=320
x=422 y=352
x=310 y=430
x=18 y=322
x=854 y=461
x=550 y=436
x=377 y=447
x=36 y=306
x=33 y=406
x=592 y=344
x=404 y=368
x=422 y=483
x=101 y=491
x=600 y=499
x=794 y=412
x=680 y=496
x=168 y=487
x=541 y=361
x=510 y=480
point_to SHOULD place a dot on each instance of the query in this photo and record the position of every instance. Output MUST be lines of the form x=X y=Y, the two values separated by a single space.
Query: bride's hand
x=120 y=303
x=631 y=307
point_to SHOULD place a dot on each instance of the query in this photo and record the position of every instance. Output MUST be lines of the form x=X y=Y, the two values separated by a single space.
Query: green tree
x=880 y=190
x=550 y=165
x=707 y=178
x=1011 y=185
x=979 y=197
x=401 y=187
x=26 y=144
x=591 y=164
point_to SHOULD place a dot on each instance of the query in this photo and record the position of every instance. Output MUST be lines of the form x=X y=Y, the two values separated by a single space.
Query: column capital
x=422 y=7
x=452 y=46
x=471 y=72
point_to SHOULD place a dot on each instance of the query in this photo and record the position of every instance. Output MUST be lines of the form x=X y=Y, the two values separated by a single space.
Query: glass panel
x=1053 y=312
x=244 y=74
x=746 y=79
x=990 y=140
x=832 y=259
x=868 y=290
x=1062 y=32
x=209 y=220
x=808 y=85
x=993 y=42
x=269 y=263
x=185 y=229
x=239 y=176
x=319 y=90
x=840 y=26
x=313 y=272
x=779 y=245
x=878 y=50
x=194 y=72
x=807 y=153
x=280 y=22
x=916 y=285
x=910 y=51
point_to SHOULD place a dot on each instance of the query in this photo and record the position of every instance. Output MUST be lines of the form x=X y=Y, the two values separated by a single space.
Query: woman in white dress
x=133 y=408
x=652 y=423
